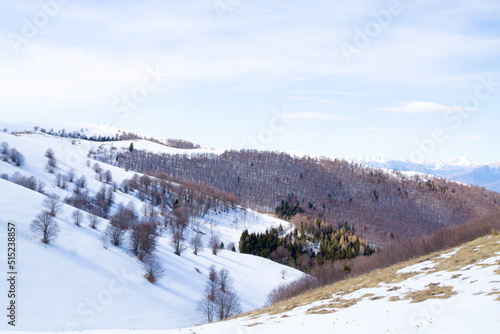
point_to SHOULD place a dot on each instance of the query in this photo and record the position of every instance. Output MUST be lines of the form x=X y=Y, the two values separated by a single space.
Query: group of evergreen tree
x=304 y=250
x=288 y=208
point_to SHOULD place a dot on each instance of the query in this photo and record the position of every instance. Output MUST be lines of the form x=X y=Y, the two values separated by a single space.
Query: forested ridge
x=379 y=204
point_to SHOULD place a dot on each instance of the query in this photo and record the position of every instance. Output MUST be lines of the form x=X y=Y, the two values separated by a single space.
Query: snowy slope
x=456 y=291
x=74 y=283
x=97 y=130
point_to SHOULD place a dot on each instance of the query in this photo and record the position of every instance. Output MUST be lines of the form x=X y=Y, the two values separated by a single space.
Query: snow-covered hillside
x=456 y=291
x=92 y=130
x=74 y=283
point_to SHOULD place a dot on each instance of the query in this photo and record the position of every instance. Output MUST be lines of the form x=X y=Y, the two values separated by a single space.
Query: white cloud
x=312 y=115
x=369 y=129
x=422 y=107
x=315 y=99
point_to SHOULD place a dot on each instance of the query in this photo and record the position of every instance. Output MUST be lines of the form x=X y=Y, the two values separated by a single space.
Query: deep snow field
x=74 y=283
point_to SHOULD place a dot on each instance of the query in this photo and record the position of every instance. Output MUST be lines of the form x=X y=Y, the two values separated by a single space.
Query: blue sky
x=415 y=79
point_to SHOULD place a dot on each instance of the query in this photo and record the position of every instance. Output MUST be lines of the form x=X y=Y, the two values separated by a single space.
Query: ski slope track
x=74 y=283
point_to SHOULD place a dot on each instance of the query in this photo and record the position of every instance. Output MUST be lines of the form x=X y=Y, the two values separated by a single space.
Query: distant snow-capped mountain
x=460 y=169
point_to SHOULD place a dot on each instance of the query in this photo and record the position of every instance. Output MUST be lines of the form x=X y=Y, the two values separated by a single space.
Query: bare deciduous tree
x=97 y=168
x=214 y=243
x=108 y=177
x=45 y=226
x=143 y=238
x=77 y=217
x=104 y=240
x=53 y=204
x=283 y=273
x=81 y=182
x=177 y=242
x=49 y=153
x=196 y=243
x=93 y=220
x=71 y=175
x=227 y=304
x=16 y=157
x=219 y=299
x=181 y=214
x=224 y=280
x=153 y=268
x=4 y=148
x=115 y=234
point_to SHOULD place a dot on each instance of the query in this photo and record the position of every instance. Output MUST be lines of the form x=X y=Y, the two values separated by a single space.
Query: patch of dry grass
x=337 y=303
x=255 y=324
x=376 y=297
x=433 y=291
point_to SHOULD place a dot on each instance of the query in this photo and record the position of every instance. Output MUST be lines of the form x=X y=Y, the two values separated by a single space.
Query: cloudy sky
x=414 y=79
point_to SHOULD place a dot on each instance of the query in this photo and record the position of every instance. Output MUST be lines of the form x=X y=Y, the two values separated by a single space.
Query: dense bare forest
x=382 y=206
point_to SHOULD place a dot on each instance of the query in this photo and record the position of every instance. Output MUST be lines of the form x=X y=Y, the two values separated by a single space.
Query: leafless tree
x=61 y=181
x=4 y=148
x=108 y=177
x=115 y=234
x=143 y=238
x=16 y=157
x=153 y=268
x=49 y=153
x=283 y=273
x=124 y=217
x=81 y=182
x=227 y=304
x=219 y=299
x=71 y=175
x=77 y=217
x=104 y=240
x=51 y=166
x=224 y=280
x=93 y=220
x=177 y=242
x=45 y=226
x=181 y=214
x=214 y=243
x=97 y=168
x=196 y=243
x=53 y=204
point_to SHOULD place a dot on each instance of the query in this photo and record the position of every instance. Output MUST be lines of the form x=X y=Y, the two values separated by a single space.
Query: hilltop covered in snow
x=74 y=283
